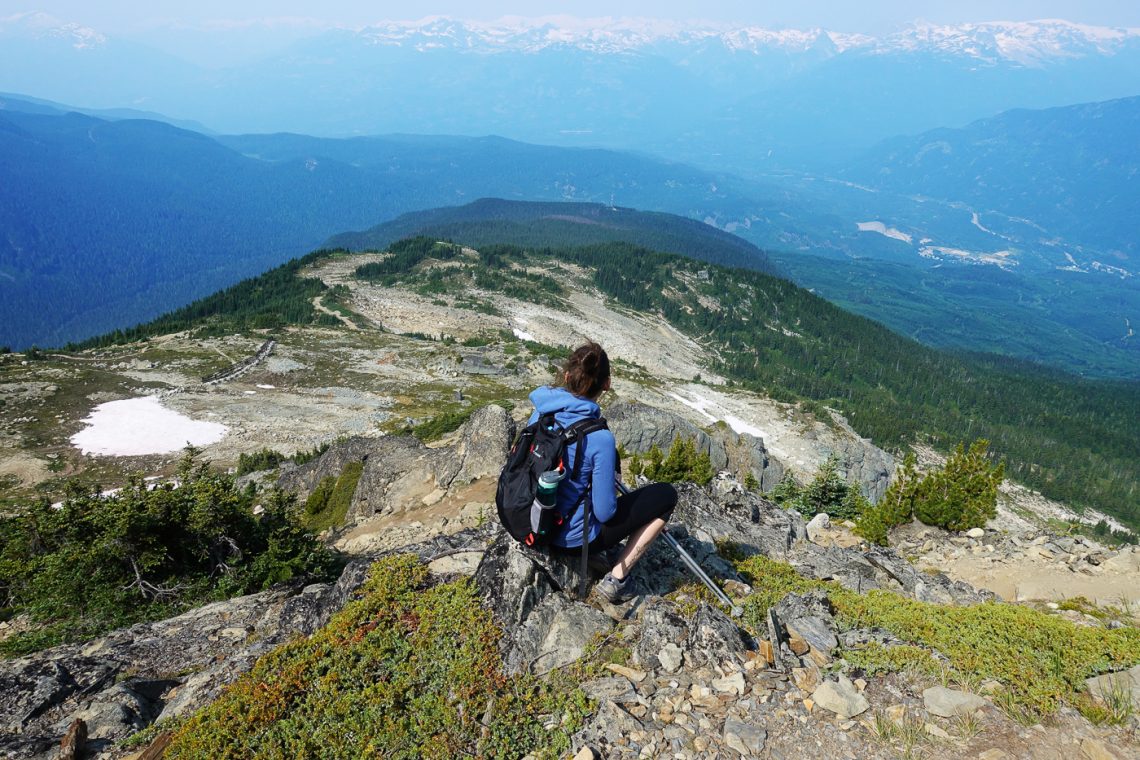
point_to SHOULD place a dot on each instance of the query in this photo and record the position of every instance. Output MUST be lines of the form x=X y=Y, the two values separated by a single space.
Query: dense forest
x=1074 y=440
x=159 y=216
x=272 y=300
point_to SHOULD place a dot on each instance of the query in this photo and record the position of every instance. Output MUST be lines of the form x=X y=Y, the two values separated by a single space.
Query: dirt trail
x=326 y=310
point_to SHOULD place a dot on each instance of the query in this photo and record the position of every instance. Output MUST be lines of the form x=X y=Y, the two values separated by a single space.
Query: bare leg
x=639 y=541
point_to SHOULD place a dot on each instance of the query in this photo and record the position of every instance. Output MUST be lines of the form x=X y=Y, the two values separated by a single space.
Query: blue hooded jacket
x=598 y=467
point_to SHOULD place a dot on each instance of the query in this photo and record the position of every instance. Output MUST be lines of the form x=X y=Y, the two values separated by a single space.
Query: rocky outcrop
x=638 y=427
x=862 y=462
x=129 y=678
x=401 y=473
x=529 y=592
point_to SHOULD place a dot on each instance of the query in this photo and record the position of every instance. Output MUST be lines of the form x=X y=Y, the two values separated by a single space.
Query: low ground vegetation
x=98 y=562
x=327 y=506
x=1040 y=660
x=408 y=670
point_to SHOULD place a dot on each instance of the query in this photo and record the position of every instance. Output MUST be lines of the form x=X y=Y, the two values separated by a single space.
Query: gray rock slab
x=840 y=697
x=946 y=703
x=745 y=738
x=1112 y=684
x=614 y=688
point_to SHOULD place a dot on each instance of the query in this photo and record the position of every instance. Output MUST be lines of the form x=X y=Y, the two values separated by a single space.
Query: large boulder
x=400 y=473
x=483 y=444
x=528 y=592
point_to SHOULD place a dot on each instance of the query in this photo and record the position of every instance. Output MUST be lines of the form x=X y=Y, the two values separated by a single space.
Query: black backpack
x=540 y=447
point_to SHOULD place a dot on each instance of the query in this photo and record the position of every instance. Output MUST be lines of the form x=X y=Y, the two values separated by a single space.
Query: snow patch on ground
x=266 y=387
x=140 y=426
x=703 y=405
x=883 y=229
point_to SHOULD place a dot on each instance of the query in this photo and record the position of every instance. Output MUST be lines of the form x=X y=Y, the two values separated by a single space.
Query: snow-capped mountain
x=606 y=35
x=39 y=25
x=1030 y=43
x=1026 y=43
x=744 y=98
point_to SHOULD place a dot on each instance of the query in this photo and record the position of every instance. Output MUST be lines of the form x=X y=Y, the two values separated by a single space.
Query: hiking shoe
x=602 y=562
x=615 y=591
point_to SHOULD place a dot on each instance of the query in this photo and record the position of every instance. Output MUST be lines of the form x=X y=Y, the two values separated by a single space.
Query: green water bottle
x=545 y=519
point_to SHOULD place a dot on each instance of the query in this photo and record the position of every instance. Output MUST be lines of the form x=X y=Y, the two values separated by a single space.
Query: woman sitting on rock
x=639 y=516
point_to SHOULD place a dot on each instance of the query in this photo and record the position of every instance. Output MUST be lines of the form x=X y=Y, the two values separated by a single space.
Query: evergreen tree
x=826 y=491
x=787 y=492
x=963 y=494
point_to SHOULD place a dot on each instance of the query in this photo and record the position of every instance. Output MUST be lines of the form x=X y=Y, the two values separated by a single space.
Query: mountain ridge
x=1024 y=42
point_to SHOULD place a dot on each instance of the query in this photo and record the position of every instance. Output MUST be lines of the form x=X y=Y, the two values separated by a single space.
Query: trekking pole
x=688 y=561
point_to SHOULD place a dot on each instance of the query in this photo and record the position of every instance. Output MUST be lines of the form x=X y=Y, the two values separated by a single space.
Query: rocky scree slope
x=668 y=673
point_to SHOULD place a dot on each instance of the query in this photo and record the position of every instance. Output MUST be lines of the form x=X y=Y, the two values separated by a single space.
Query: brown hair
x=587 y=370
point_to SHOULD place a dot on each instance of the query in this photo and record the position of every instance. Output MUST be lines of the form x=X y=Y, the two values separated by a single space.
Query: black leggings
x=634 y=510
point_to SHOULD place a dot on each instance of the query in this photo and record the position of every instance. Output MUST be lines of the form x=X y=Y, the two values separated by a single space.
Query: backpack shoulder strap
x=577 y=433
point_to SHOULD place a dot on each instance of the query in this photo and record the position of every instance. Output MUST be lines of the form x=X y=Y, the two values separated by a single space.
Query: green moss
x=328 y=505
x=1042 y=660
x=407 y=670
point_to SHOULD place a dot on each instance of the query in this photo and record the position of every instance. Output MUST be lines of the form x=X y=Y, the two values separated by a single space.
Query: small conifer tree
x=963 y=494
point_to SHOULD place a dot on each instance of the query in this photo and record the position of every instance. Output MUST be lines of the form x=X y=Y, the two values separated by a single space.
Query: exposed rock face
x=483 y=444
x=401 y=473
x=864 y=463
x=523 y=588
x=638 y=427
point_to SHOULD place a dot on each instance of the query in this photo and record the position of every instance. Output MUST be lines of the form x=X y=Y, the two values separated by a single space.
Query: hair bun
x=587 y=370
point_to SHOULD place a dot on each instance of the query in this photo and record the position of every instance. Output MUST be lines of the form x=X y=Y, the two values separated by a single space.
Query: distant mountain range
x=1015 y=234
x=1063 y=180
x=722 y=97
x=110 y=223
x=1037 y=261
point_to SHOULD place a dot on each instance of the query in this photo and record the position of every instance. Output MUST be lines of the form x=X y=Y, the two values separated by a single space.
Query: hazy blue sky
x=872 y=16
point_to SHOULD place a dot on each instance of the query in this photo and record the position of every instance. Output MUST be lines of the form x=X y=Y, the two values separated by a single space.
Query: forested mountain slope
x=1072 y=439
x=492 y=220
x=159 y=216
